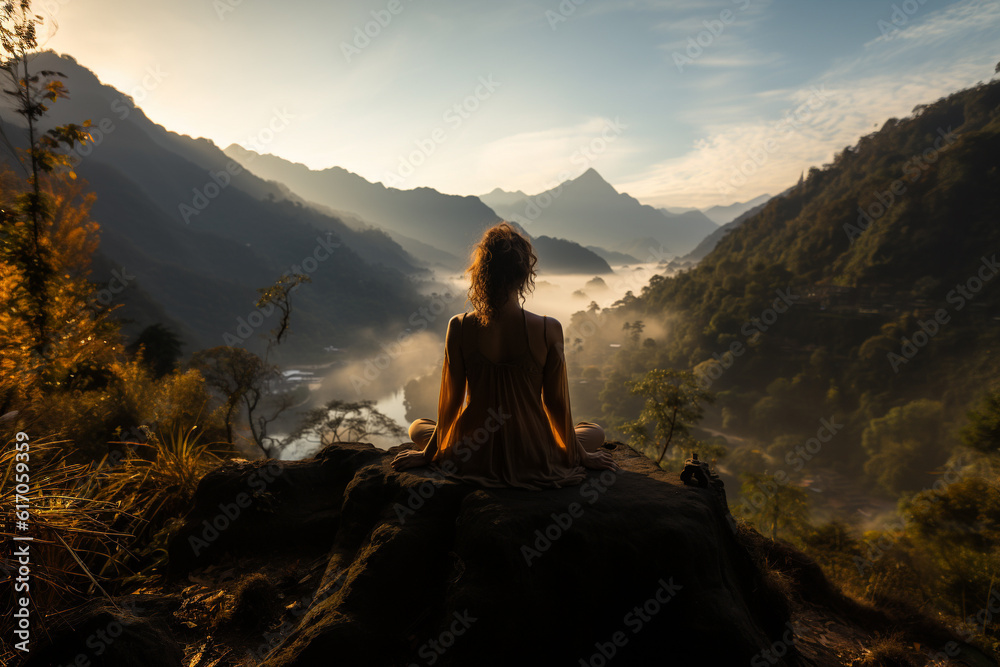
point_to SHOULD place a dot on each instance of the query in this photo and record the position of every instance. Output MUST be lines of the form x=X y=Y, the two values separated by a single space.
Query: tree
x=82 y=340
x=24 y=227
x=983 y=430
x=235 y=373
x=906 y=445
x=634 y=330
x=246 y=379
x=774 y=507
x=340 y=421
x=161 y=349
x=673 y=401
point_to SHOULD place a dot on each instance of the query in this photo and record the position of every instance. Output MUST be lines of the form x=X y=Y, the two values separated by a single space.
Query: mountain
x=709 y=242
x=613 y=256
x=414 y=218
x=200 y=234
x=502 y=198
x=590 y=211
x=724 y=214
x=677 y=210
x=438 y=229
x=562 y=256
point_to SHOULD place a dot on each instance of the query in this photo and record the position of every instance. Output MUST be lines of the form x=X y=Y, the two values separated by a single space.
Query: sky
x=677 y=102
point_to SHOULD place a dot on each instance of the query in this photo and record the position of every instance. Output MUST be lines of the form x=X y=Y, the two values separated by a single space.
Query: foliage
x=24 y=224
x=342 y=421
x=775 y=508
x=245 y=379
x=160 y=349
x=672 y=402
x=905 y=445
x=87 y=518
x=983 y=430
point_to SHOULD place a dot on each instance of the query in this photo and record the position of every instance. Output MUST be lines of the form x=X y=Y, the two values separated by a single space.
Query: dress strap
x=545 y=332
x=527 y=341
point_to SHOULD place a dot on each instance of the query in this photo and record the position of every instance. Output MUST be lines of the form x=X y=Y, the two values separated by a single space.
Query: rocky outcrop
x=632 y=566
x=340 y=560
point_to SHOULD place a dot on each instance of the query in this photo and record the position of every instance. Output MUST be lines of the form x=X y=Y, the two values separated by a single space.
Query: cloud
x=895 y=73
x=539 y=160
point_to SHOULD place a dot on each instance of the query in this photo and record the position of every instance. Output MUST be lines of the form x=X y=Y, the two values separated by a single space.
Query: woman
x=516 y=428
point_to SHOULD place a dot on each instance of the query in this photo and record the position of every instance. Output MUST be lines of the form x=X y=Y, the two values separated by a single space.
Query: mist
x=415 y=355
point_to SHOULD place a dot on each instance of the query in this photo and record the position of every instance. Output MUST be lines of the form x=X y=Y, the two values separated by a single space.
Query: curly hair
x=502 y=262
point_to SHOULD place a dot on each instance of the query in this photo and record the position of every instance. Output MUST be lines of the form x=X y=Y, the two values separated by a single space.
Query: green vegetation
x=673 y=400
x=846 y=331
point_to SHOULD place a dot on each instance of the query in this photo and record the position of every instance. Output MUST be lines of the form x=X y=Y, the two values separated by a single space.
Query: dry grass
x=87 y=518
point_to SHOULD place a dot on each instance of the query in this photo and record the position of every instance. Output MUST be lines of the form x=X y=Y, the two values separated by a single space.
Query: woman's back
x=504 y=417
x=505 y=436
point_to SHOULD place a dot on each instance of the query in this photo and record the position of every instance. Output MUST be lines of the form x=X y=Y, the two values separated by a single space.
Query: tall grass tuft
x=88 y=518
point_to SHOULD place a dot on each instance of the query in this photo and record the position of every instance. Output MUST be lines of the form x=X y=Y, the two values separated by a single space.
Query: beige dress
x=503 y=433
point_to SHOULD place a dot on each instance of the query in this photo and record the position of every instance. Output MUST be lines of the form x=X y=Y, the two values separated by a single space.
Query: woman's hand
x=599 y=460
x=411 y=458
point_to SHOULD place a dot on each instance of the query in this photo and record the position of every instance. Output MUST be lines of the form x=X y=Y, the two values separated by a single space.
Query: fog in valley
x=417 y=353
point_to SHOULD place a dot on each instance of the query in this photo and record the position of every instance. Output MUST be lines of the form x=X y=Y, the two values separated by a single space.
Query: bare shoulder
x=455 y=327
x=544 y=327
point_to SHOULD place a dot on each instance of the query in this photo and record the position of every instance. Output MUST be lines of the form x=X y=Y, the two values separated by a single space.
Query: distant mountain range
x=709 y=242
x=419 y=220
x=200 y=235
x=590 y=211
x=721 y=215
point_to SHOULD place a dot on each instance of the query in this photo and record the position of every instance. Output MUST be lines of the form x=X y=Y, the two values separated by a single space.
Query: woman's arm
x=450 y=399
x=555 y=401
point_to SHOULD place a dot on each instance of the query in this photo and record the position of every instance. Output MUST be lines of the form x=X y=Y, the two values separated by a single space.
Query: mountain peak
x=591 y=175
x=591 y=180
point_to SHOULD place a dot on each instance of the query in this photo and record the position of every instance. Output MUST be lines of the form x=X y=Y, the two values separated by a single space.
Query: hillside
x=562 y=256
x=875 y=316
x=200 y=234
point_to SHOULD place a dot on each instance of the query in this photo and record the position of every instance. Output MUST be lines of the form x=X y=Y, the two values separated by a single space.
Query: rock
x=631 y=566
